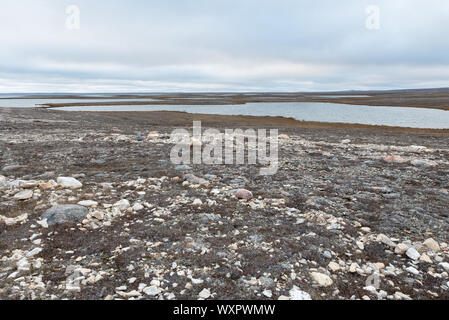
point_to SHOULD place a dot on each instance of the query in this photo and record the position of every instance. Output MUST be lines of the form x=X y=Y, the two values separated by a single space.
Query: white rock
x=71 y=183
x=122 y=204
x=138 y=207
x=88 y=203
x=413 y=270
x=267 y=293
x=98 y=215
x=197 y=202
x=412 y=253
x=445 y=266
x=322 y=279
x=333 y=266
x=13 y=221
x=23 y=265
x=24 y=195
x=401 y=248
x=432 y=245
x=205 y=294
x=152 y=291
x=296 y=294
x=34 y=252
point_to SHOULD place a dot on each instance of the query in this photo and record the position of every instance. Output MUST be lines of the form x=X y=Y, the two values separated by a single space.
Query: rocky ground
x=92 y=208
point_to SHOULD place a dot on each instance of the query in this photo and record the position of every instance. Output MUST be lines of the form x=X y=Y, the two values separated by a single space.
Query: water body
x=31 y=103
x=309 y=111
x=341 y=96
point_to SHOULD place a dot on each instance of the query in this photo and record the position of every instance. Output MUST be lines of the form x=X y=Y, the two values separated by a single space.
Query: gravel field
x=92 y=208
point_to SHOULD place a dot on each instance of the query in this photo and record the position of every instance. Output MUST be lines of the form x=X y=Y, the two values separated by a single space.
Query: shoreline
x=269 y=121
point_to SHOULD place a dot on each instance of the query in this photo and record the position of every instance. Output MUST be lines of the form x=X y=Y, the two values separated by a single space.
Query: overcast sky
x=222 y=45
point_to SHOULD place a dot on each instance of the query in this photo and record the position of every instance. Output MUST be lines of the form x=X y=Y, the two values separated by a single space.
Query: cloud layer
x=219 y=45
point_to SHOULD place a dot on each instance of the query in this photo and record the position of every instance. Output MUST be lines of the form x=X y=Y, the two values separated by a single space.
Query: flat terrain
x=428 y=98
x=354 y=212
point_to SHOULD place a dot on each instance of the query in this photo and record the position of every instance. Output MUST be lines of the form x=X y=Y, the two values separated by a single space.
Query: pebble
x=70 y=183
x=412 y=270
x=24 y=195
x=244 y=194
x=412 y=253
x=322 y=279
x=138 y=207
x=401 y=248
x=205 y=294
x=152 y=291
x=122 y=204
x=297 y=294
x=432 y=245
x=333 y=266
x=88 y=203
x=267 y=293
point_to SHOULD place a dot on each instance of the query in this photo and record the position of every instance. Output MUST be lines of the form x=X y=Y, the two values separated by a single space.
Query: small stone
x=385 y=240
x=138 y=207
x=24 y=195
x=322 y=279
x=267 y=293
x=423 y=163
x=88 y=203
x=197 y=202
x=48 y=185
x=244 y=194
x=152 y=291
x=12 y=168
x=445 y=266
x=333 y=266
x=401 y=248
x=205 y=294
x=122 y=204
x=432 y=245
x=412 y=253
x=425 y=258
x=412 y=270
x=34 y=252
x=23 y=265
x=60 y=214
x=195 y=180
x=98 y=215
x=70 y=183
x=297 y=294
x=353 y=267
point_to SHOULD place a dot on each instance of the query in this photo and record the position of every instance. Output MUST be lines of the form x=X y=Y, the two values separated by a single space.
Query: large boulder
x=67 y=213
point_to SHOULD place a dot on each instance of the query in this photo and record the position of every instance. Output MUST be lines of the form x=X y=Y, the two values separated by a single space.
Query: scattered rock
x=297 y=294
x=88 y=203
x=244 y=194
x=24 y=195
x=122 y=204
x=412 y=253
x=432 y=245
x=70 y=183
x=322 y=279
x=68 y=213
x=205 y=294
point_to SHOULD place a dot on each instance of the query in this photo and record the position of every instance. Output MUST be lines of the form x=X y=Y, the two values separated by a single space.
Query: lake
x=309 y=111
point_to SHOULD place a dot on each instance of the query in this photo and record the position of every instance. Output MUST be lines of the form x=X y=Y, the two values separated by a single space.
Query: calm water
x=31 y=103
x=324 y=112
